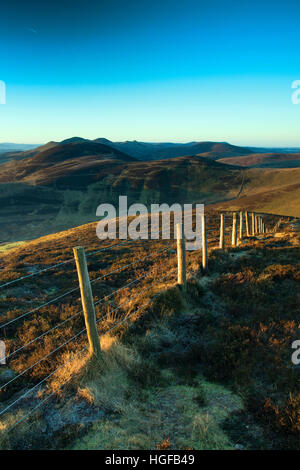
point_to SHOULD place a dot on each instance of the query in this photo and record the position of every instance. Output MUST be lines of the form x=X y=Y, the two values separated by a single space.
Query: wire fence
x=211 y=237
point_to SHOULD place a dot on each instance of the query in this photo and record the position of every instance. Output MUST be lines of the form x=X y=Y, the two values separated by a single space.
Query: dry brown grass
x=107 y=385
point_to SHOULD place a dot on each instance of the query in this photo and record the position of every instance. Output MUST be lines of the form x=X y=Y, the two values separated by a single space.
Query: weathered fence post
x=241 y=225
x=181 y=259
x=247 y=223
x=204 y=244
x=253 y=223
x=222 y=232
x=234 y=230
x=87 y=301
x=2 y=353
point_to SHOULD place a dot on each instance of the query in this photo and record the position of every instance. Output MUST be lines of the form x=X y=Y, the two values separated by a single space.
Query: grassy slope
x=35 y=168
x=268 y=190
x=243 y=341
x=152 y=386
x=72 y=189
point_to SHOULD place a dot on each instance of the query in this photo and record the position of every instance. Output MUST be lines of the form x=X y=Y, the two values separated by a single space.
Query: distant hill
x=275 y=149
x=144 y=151
x=148 y=150
x=51 y=192
x=20 y=155
x=11 y=147
x=159 y=151
x=267 y=160
x=60 y=184
x=72 y=164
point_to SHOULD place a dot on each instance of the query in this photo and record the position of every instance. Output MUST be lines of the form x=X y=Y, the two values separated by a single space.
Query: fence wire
x=72 y=317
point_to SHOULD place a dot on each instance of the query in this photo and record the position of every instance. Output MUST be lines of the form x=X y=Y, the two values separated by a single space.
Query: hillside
x=71 y=156
x=268 y=190
x=59 y=185
x=158 y=383
x=52 y=195
x=62 y=185
x=141 y=150
x=157 y=151
x=267 y=160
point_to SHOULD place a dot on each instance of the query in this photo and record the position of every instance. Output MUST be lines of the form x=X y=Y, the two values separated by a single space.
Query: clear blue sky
x=150 y=70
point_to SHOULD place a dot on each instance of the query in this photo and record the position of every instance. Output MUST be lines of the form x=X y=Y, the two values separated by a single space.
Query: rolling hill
x=268 y=190
x=59 y=185
x=265 y=160
x=157 y=375
x=11 y=147
x=53 y=163
x=54 y=190
x=145 y=151
x=158 y=151
x=20 y=155
x=155 y=150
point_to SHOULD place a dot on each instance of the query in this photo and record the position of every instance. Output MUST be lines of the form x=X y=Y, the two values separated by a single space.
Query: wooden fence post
x=234 y=230
x=204 y=244
x=222 y=232
x=181 y=258
x=241 y=225
x=87 y=301
x=247 y=223
x=253 y=223
x=256 y=224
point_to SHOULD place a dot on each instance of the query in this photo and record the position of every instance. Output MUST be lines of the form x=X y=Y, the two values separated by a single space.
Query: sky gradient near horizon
x=150 y=70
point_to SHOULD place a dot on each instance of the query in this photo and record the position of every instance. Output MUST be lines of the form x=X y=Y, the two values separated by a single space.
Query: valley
x=59 y=185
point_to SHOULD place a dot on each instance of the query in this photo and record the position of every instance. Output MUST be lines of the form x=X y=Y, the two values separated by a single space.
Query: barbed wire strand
x=39 y=307
x=65 y=262
x=96 y=303
x=71 y=260
x=42 y=359
x=58 y=388
x=38 y=384
x=128 y=265
x=70 y=292
x=63 y=344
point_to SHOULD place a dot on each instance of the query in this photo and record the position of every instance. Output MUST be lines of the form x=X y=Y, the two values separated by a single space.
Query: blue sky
x=150 y=70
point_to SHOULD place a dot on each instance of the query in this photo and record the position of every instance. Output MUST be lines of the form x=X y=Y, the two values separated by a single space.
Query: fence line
x=39 y=307
x=74 y=316
x=258 y=227
x=61 y=366
x=74 y=290
x=48 y=268
x=73 y=337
